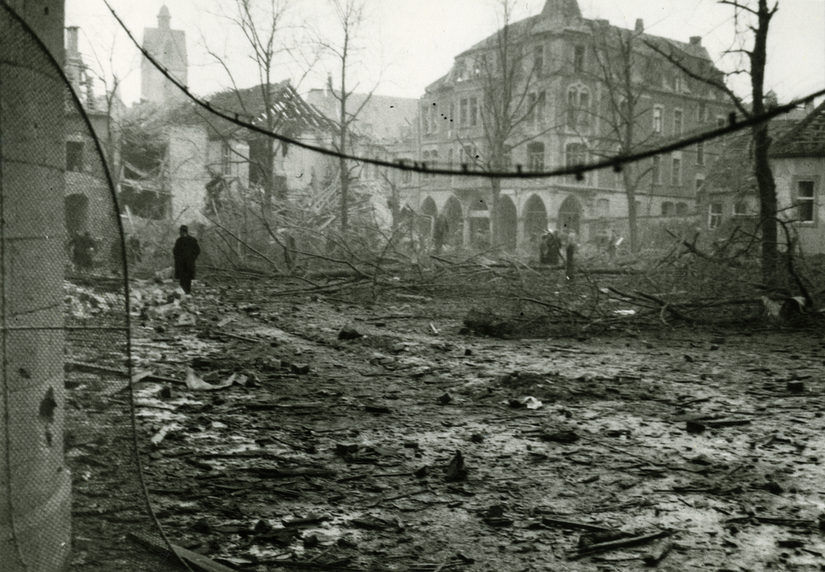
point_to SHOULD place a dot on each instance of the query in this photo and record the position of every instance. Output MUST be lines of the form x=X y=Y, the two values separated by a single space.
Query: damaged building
x=565 y=99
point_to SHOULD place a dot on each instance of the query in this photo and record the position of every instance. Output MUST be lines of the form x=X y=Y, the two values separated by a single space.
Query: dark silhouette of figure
x=549 y=248
x=186 y=251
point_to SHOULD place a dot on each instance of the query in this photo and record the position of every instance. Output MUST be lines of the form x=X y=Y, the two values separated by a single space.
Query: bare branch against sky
x=411 y=43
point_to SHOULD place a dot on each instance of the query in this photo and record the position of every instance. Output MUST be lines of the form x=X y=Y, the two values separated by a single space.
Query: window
x=538 y=59
x=668 y=209
x=720 y=121
x=576 y=154
x=535 y=156
x=508 y=159
x=473 y=112
x=434 y=118
x=681 y=209
x=74 y=156
x=714 y=215
x=657 y=170
x=658 y=113
x=425 y=120
x=805 y=201
x=701 y=113
x=676 y=170
x=740 y=208
x=425 y=158
x=678 y=84
x=450 y=158
x=537 y=105
x=226 y=159
x=578 y=106
x=603 y=208
x=677 y=122
x=700 y=153
x=700 y=182
x=464 y=112
x=578 y=59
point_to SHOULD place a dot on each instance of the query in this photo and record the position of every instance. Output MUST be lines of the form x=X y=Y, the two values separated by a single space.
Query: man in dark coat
x=549 y=248
x=186 y=251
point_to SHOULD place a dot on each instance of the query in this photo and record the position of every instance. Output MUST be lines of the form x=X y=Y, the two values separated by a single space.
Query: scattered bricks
x=795 y=386
x=694 y=427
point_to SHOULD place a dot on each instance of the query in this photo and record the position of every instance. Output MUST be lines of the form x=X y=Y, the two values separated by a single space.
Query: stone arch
x=76 y=213
x=426 y=217
x=507 y=222
x=534 y=214
x=478 y=216
x=454 y=214
x=570 y=215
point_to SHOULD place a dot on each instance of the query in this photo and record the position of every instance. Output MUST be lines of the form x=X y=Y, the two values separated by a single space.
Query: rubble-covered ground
x=299 y=431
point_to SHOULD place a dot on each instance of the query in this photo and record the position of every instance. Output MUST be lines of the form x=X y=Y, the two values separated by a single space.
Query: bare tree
x=619 y=70
x=508 y=82
x=349 y=18
x=267 y=28
x=753 y=19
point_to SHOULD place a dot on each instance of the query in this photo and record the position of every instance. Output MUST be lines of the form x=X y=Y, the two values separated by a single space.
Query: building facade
x=562 y=73
x=168 y=47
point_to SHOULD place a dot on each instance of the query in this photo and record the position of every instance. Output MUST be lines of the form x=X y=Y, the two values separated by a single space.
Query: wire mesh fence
x=70 y=477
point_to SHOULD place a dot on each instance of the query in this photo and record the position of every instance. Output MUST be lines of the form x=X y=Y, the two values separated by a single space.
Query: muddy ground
x=341 y=454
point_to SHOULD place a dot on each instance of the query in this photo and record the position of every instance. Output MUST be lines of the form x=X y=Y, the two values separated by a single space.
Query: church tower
x=168 y=47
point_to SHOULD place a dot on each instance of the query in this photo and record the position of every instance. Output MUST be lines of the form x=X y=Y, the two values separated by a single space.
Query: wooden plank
x=195 y=560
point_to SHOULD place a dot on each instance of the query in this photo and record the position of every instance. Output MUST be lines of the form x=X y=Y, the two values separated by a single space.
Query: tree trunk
x=761 y=138
x=495 y=193
x=632 y=214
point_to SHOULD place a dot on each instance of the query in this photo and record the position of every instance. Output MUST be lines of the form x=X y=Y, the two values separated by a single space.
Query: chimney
x=71 y=40
x=640 y=26
x=696 y=41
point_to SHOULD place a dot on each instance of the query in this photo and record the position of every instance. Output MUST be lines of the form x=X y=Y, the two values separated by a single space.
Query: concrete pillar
x=35 y=487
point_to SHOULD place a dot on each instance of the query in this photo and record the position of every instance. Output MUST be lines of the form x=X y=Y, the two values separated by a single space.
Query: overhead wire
x=734 y=124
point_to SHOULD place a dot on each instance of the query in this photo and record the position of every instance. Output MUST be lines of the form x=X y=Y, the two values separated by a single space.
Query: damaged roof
x=806 y=139
x=288 y=109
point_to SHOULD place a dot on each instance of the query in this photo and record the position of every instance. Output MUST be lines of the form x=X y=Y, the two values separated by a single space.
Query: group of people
x=552 y=244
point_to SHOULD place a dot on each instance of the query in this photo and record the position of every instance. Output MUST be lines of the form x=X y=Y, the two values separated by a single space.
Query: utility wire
x=616 y=163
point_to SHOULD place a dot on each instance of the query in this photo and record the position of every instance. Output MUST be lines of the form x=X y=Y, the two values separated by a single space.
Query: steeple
x=561 y=9
x=164 y=18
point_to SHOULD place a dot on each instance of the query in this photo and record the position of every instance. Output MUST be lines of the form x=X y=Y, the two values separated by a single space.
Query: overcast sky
x=407 y=44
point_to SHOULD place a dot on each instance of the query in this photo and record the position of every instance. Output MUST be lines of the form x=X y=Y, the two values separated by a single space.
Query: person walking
x=186 y=251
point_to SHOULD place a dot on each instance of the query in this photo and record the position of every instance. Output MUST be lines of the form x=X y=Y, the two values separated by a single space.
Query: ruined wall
x=35 y=498
x=186 y=173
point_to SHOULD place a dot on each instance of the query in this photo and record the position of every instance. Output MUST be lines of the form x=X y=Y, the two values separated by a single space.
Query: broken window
x=714 y=215
x=700 y=153
x=681 y=209
x=74 y=156
x=578 y=106
x=473 y=112
x=668 y=209
x=578 y=59
x=676 y=170
x=805 y=201
x=740 y=208
x=535 y=156
x=658 y=114
x=657 y=170
x=677 y=122
x=464 y=112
